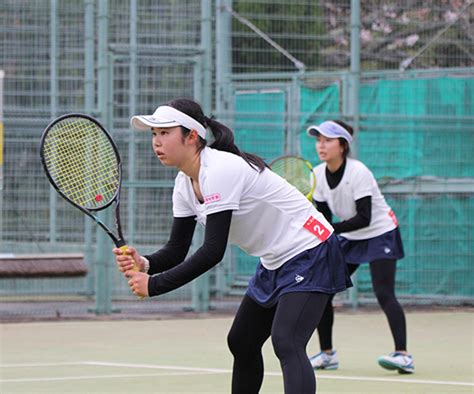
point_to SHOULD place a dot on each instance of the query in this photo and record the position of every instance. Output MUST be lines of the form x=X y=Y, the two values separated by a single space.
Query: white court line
x=209 y=371
x=152 y=366
x=93 y=377
x=363 y=378
x=41 y=364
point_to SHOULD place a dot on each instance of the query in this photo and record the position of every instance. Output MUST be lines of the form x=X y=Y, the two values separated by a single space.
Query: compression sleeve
x=207 y=256
x=360 y=220
x=176 y=249
x=323 y=207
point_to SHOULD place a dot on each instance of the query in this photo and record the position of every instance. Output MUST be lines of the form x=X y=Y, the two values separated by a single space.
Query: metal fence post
x=53 y=75
x=89 y=108
x=354 y=103
x=103 y=304
x=200 y=286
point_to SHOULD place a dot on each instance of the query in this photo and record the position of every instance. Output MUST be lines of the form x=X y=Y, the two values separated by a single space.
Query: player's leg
x=383 y=282
x=327 y=358
x=325 y=326
x=297 y=316
x=249 y=331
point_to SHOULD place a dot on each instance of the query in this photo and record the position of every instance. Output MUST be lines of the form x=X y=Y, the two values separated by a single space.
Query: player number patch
x=314 y=226
x=393 y=217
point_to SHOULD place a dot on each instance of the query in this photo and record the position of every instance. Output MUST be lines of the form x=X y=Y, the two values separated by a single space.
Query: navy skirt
x=320 y=269
x=386 y=246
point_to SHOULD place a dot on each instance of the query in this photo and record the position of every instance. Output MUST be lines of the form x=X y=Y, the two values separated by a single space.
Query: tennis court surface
x=191 y=355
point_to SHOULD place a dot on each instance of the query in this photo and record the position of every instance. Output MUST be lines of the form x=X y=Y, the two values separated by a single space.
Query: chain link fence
x=266 y=68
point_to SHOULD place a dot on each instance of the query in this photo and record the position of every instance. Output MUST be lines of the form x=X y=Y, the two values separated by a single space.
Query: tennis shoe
x=324 y=360
x=401 y=362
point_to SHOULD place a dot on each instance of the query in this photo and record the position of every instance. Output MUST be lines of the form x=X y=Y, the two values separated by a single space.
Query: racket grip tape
x=135 y=265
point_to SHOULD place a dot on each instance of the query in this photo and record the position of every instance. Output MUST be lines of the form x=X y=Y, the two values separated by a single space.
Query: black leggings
x=383 y=283
x=291 y=324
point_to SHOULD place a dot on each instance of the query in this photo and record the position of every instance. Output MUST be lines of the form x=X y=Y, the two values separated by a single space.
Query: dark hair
x=223 y=136
x=342 y=141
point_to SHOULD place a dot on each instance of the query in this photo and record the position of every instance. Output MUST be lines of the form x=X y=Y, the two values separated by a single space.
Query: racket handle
x=135 y=265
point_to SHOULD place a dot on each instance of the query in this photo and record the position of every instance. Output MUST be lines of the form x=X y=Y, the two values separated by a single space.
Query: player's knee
x=238 y=343
x=384 y=296
x=232 y=341
x=282 y=346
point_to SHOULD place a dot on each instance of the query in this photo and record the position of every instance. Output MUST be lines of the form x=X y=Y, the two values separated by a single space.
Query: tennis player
x=368 y=233
x=241 y=201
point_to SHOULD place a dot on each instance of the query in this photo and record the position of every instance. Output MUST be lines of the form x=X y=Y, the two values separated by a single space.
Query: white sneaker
x=323 y=360
x=402 y=362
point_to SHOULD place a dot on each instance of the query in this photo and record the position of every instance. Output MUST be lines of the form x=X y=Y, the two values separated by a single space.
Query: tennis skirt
x=386 y=246
x=320 y=269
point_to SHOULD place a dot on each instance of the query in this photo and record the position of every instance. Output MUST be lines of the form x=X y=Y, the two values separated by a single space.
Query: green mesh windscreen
x=408 y=128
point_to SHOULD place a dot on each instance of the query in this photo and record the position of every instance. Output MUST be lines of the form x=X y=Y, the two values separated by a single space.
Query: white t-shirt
x=357 y=182
x=270 y=218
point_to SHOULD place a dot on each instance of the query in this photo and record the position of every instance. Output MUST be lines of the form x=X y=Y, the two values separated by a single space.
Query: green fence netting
x=409 y=129
x=260 y=121
x=260 y=129
x=439 y=246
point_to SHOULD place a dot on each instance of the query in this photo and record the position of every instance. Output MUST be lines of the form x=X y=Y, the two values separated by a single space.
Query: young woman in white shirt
x=241 y=201
x=368 y=233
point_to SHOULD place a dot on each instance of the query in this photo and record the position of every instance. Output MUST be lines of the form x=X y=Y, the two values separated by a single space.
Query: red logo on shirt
x=212 y=198
x=317 y=228
x=394 y=218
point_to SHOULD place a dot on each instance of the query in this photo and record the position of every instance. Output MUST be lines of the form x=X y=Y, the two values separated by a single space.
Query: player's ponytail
x=224 y=140
x=223 y=136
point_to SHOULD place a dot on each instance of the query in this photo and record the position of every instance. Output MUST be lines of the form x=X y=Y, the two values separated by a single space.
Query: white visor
x=165 y=117
x=329 y=129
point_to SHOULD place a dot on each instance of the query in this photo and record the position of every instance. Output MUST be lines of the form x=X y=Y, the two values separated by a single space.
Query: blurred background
x=400 y=72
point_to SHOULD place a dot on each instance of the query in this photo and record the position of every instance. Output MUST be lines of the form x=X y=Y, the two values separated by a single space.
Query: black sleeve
x=323 y=207
x=207 y=256
x=360 y=220
x=176 y=249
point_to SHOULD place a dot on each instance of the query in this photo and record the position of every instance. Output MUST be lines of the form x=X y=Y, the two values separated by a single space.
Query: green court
x=191 y=356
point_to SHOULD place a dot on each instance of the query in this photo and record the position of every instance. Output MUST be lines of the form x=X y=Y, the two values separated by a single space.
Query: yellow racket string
x=297 y=172
x=82 y=162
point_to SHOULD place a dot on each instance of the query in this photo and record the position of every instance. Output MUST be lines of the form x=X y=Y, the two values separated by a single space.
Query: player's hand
x=138 y=282
x=126 y=261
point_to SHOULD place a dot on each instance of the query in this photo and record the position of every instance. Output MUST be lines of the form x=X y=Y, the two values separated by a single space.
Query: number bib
x=315 y=227
x=393 y=217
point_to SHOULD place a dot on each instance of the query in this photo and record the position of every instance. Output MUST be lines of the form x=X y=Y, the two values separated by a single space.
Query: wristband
x=146 y=264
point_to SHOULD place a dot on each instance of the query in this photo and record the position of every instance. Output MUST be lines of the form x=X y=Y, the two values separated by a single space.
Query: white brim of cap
x=313 y=131
x=329 y=129
x=146 y=122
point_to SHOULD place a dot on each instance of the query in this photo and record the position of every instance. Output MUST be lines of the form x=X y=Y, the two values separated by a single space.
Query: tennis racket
x=298 y=172
x=83 y=164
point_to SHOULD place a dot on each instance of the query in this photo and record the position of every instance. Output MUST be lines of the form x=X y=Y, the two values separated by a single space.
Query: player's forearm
x=165 y=258
x=176 y=249
x=323 y=207
x=207 y=256
x=199 y=263
x=360 y=220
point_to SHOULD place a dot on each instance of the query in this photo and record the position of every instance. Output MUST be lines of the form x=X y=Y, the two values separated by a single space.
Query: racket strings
x=297 y=172
x=82 y=162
